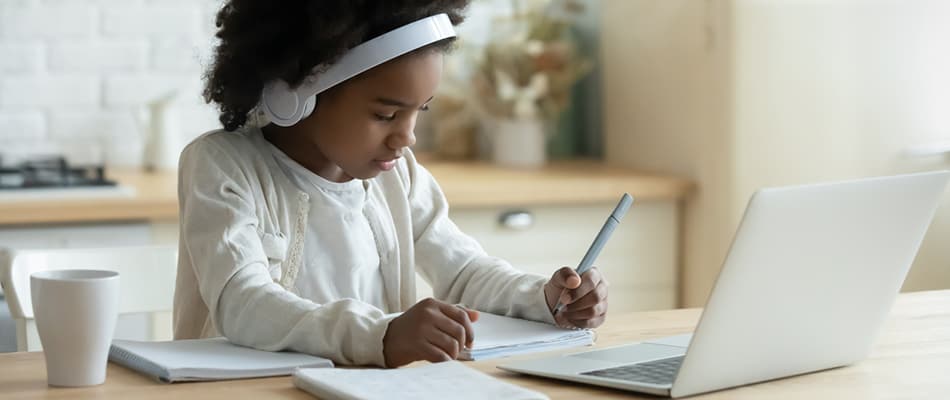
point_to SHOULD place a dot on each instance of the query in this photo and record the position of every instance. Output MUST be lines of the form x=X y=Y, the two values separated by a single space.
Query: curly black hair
x=264 y=40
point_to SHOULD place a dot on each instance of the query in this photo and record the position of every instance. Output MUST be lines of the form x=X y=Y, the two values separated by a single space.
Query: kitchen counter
x=466 y=185
x=155 y=198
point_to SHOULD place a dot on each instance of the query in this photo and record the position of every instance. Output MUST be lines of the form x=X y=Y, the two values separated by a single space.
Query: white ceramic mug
x=75 y=313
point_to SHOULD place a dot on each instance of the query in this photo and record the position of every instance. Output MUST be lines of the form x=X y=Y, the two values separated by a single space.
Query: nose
x=402 y=135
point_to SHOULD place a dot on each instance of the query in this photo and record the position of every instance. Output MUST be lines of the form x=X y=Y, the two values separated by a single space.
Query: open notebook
x=498 y=336
x=207 y=359
x=447 y=380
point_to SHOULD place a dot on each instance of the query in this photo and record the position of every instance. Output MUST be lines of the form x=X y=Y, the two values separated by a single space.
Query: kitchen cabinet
x=640 y=260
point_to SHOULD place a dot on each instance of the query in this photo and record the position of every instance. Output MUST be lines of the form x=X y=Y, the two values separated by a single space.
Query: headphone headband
x=285 y=106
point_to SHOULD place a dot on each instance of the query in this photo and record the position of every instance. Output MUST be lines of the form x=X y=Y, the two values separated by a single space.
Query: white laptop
x=809 y=280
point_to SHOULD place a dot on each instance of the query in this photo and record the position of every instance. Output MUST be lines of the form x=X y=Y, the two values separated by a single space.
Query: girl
x=307 y=237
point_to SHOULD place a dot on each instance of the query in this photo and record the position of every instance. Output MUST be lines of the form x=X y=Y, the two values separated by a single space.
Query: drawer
x=641 y=250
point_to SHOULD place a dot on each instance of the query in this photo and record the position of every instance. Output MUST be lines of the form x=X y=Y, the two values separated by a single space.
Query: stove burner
x=51 y=172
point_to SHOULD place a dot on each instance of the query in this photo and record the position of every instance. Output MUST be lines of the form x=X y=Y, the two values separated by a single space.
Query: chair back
x=146 y=279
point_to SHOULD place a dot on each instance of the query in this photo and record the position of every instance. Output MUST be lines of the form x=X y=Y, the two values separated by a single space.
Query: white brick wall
x=31 y=20
x=124 y=90
x=21 y=57
x=48 y=92
x=179 y=54
x=97 y=55
x=152 y=20
x=25 y=125
x=114 y=124
x=76 y=76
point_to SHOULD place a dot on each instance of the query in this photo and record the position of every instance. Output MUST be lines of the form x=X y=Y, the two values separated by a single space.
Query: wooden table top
x=911 y=360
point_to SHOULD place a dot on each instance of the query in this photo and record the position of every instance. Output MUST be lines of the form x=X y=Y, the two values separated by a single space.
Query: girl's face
x=361 y=127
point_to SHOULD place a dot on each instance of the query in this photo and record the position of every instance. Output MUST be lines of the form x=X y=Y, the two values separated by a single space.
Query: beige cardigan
x=241 y=239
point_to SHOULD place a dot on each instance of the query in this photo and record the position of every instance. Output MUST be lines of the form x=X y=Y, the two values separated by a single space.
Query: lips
x=386 y=164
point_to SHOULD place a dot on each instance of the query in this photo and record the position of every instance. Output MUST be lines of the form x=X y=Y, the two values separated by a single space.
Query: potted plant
x=523 y=78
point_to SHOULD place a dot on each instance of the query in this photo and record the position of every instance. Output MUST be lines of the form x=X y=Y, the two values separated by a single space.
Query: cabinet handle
x=517 y=220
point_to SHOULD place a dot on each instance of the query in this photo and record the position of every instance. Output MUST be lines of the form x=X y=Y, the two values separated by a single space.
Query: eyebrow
x=397 y=103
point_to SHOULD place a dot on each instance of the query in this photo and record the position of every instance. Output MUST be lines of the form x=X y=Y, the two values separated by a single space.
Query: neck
x=293 y=142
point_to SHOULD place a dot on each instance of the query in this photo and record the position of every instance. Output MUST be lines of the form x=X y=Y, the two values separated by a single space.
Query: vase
x=519 y=143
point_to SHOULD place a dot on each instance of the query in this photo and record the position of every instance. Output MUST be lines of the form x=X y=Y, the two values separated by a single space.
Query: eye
x=380 y=117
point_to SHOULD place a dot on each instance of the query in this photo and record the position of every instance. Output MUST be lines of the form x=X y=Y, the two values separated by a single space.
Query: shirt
x=339 y=247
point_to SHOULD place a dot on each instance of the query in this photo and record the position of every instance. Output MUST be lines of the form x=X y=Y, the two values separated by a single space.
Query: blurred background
x=691 y=105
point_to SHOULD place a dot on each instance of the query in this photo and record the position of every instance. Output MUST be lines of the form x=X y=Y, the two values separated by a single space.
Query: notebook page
x=506 y=351
x=494 y=331
x=447 y=380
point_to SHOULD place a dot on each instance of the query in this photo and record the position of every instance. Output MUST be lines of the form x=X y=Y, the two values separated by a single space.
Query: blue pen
x=601 y=239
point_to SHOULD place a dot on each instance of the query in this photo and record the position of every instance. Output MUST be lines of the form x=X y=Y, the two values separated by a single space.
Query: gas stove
x=53 y=176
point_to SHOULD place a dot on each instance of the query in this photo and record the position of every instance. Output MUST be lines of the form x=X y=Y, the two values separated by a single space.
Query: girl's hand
x=430 y=330
x=584 y=298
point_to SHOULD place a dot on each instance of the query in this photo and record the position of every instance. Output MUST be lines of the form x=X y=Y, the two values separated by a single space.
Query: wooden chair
x=146 y=280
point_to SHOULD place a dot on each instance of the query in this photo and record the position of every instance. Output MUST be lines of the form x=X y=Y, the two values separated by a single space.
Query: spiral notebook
x=499 y=336
x=207 y=360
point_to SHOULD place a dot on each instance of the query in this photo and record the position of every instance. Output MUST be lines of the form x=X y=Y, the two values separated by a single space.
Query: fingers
x=589 y=281
x=472 y=314
x=589 y=323
x=589 y=300
x=565 y=278
x=447 y=328
x=562 y=320
x=462 y=330
x=586 y=305
x=588 y=313
x=447 y=345
x=430 y=330
x=432 y=352
x=590 y=317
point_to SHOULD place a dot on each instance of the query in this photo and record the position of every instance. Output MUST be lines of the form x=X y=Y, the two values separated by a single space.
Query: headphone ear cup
x=308 y=107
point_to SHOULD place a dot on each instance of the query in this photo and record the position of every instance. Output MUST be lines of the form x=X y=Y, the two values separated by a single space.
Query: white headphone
x=285 y=106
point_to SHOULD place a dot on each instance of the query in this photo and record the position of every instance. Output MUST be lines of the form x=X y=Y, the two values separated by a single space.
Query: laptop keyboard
x=656 y=372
